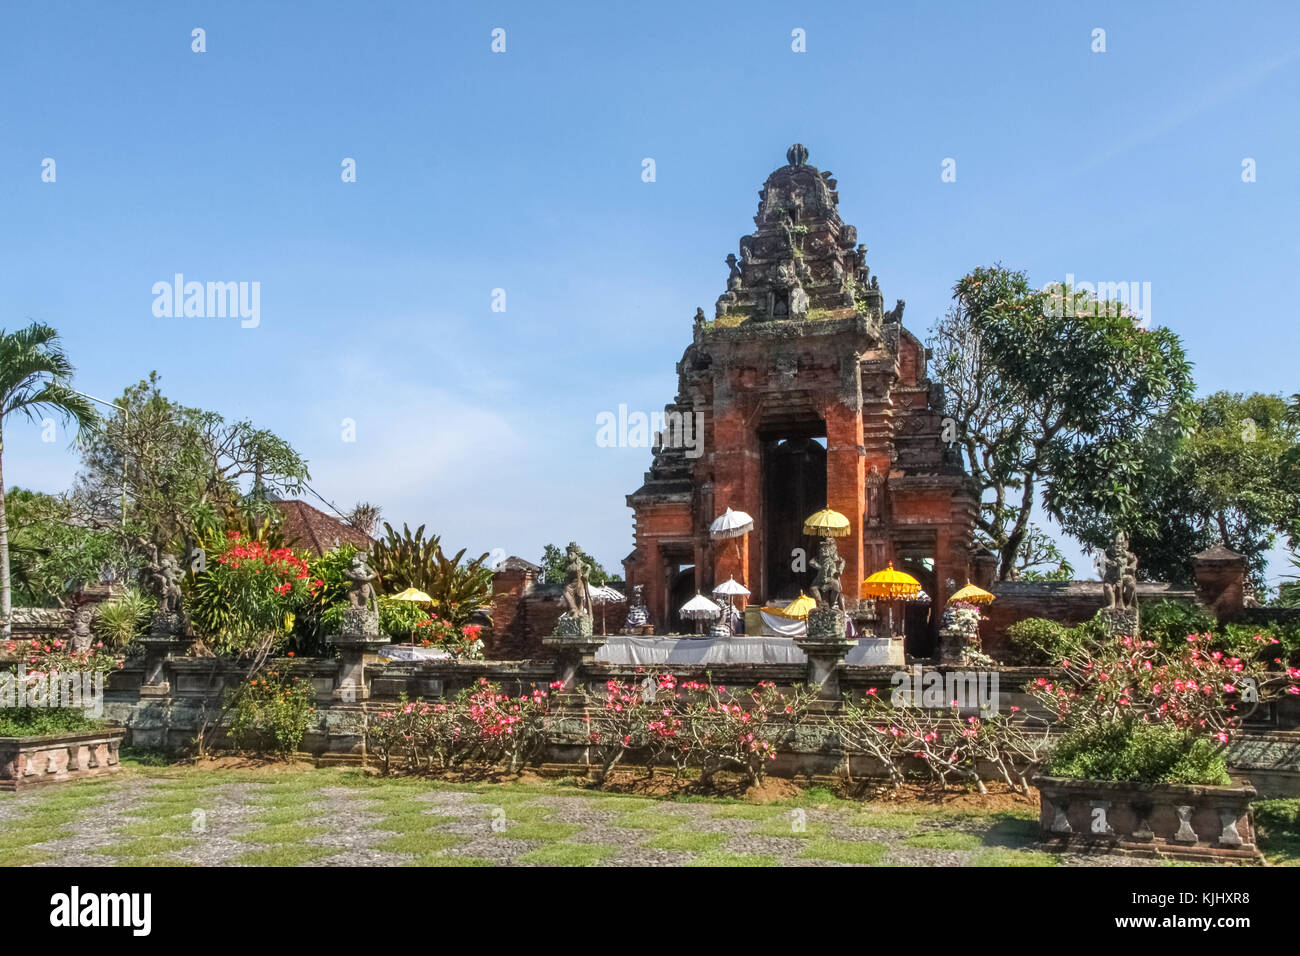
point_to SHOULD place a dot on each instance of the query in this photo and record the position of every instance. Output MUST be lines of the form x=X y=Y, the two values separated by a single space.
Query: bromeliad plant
x=124 y=618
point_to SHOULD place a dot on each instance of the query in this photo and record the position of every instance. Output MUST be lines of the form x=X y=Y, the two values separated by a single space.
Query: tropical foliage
x=55 y=548
x=411 y=560
x=248 y=593
x=35 y=380
x=1232 y=476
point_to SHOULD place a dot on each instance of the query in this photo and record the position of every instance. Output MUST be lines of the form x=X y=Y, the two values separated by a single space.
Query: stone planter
x=1178 y=821
x=55 y=758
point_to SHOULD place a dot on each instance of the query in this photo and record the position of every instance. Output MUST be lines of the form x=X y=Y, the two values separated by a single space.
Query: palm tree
x=34 y=376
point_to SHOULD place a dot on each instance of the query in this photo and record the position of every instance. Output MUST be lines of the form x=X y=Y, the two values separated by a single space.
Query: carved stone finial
x=797 y=155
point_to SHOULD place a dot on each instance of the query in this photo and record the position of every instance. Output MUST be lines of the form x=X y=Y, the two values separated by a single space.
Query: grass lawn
x=159 y=815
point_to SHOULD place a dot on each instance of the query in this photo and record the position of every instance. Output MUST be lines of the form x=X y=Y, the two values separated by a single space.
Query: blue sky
x=522 y=171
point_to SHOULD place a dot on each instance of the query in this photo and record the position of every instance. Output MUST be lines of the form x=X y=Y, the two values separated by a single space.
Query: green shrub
x=271 y=713
x=36 y=721
x=1037 y=640
x=1168 y=623
x=123 y=619
x=1239 y=639
x=1135 y=751
x=399 y=618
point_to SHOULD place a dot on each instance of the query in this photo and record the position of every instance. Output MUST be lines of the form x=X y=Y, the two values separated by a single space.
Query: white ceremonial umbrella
x=603 y=595
x=730 y=524
x=730 y=589
x=700 y=608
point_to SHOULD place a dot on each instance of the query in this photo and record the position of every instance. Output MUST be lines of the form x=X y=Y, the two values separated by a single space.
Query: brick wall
x=1070 y=602
x=523 y=612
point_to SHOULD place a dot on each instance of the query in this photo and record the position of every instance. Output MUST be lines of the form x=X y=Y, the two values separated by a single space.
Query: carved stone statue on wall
x=84 y=611
x=575 y=622
x=828 y=564
x=164 y=581
x=361 y=592
x=734 y=277
x=1119 y=581
x=637 y=615
x=361 y=617
x=162 y=578
x=577 y=594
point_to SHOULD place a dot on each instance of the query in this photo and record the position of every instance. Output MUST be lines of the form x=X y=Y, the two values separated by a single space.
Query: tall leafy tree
x=186 y=469
x=1233 y=476
x=1050 y=400
x=53 y=549
x=35 y=377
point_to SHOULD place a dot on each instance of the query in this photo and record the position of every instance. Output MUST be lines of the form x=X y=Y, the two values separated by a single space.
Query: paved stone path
x=340 y=818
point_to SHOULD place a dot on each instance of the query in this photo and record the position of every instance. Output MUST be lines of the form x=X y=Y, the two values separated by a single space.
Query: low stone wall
x=1212 y=824
x=55 y=758
x=1268 y=756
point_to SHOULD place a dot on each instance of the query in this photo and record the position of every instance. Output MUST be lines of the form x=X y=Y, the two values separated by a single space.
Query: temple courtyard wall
x=1267 y=755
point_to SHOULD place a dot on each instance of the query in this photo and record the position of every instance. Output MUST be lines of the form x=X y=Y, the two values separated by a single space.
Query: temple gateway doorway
x=794 y=487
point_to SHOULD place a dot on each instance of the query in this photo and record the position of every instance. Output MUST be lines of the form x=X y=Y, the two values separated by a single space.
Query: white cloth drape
x=776 y=626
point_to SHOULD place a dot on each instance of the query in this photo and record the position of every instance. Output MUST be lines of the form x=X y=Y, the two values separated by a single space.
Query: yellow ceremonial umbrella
x=797 y=609
x=412 y=594
x=973 y=595
x=827 y=522
x=890 y=585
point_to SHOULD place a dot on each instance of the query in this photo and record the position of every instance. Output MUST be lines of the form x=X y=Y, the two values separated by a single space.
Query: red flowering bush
x=460 y=640
x=481 y=727
x=694 y=723
x=1131 y=710
x=249 y=592
x=940 y=746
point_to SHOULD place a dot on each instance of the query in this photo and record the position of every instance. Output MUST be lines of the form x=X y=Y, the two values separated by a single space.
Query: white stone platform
x=646 y=651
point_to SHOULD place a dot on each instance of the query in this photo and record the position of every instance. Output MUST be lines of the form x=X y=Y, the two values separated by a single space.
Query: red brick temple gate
x=810 y=395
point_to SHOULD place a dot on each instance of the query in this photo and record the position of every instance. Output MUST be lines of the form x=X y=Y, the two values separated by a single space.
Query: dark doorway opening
x=794 y=487
x=920 y=628
x=680 y=590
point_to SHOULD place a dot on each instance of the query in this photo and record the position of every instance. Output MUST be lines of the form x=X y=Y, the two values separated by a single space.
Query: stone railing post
x=574 y=652
x=826 y=647
x=358 y=639
x=167 y=636
x=1221 y=581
